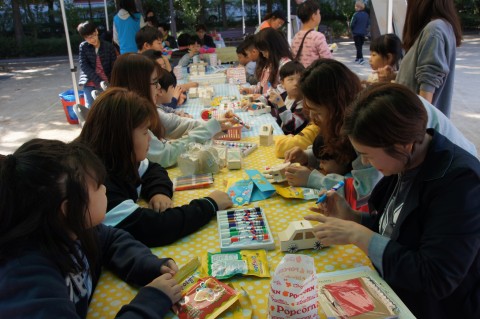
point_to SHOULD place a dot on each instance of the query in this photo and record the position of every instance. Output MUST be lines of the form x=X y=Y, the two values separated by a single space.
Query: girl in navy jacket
x=53 y=245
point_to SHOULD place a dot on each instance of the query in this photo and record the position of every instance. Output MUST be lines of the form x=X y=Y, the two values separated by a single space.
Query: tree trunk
x=17 y=23
x=51 y=13
x=224 y=13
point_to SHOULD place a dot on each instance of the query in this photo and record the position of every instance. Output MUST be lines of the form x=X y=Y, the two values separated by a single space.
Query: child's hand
x=183 y=114
x=386 y=74
x=160 y=203
x=170 y=267
x=222 y=199
x=276 y=99
x=182 y=99
x=168 y=286
x=244 y=90
x=296 y=155
x=225 y=124
x=297 y=175
x=177 y=91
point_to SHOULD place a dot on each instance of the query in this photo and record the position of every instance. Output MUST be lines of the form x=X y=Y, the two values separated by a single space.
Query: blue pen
x=335 y=188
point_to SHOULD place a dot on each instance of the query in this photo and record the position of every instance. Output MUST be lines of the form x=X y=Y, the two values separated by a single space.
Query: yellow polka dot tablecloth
x=111 y=293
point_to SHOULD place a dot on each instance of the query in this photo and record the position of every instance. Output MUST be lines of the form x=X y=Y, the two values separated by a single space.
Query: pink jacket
x=314 y=47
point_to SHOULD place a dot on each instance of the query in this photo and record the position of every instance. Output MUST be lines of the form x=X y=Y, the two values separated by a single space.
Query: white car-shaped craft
x=298 y=235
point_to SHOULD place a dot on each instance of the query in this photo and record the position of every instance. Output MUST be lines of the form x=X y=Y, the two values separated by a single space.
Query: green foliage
x=339 y=28
x=32 y=47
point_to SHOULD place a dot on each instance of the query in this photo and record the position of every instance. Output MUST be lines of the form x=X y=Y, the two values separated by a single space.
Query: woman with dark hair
x=431 y=34
x=423 y=230
x=138 y=73
x=117 y=131
x=328 y=88
x=274 y=53
x=126 y=24
x=53 y=245
x=274 y=20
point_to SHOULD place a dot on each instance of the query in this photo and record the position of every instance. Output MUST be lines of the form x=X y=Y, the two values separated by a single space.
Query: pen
x=335 y=188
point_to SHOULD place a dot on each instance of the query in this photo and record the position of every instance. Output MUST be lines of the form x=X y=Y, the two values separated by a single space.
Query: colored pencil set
x=192 y=181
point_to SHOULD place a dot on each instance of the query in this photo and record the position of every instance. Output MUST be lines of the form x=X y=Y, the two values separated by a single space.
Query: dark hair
x=199 y=27
x=388 y=43
x=165 y=78
x=109 y=127
x=133 y=71
x=291 y=68
x=386 y=114
x=164 y=26
x=330 y=84
x=248 y=42
x=278 y=14
x=277 y=46
x=147 y=35
x=35 y=182
x=306 y=10
x=194 y=39
x=318 y=149
x=420 y=13
x=129 y=6
x=86 y=28
x=183 y=39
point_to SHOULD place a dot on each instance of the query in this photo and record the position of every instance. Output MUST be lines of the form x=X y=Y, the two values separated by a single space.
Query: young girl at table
x=53 y=244
x=385 y=55
x=423 y=230
x=141 y=75
x=117 y=131
x=288 y=106
x=274 y=54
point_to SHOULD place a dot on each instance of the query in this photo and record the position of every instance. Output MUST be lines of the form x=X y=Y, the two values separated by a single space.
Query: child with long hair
x=385 y=55
x=140 y=74
x=53 y=244
x=423 y=232
x=274 y=54
x=117 y=130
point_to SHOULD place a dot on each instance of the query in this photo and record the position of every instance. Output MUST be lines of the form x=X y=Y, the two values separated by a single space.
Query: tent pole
x=73 y=68
x=106 y=15
x=173 y=20
x=259 y=13
x=389 y=16
x=243 y=18
x=289 y=23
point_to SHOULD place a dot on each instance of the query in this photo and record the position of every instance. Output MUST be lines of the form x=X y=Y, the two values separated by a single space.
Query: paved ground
x=30 y=106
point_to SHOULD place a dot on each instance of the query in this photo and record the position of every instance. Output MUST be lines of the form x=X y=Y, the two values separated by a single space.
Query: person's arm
x=291 y=121
x=185 y=60
x=321 y=46
x=155 y=180
x=303 y=139
x=432 y=64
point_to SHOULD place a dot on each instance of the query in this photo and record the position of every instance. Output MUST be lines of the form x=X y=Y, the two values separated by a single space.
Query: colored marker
x=237 y=224
x=237 y=239
x=335 y=188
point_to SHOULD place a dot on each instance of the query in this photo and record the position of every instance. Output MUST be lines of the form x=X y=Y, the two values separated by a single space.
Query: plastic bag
x=243 y=262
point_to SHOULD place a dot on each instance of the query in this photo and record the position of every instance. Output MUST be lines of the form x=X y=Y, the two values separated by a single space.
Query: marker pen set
x=245 y=148
x=244 y=229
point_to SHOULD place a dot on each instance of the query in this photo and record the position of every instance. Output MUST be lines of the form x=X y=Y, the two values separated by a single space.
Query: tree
x=17 y=23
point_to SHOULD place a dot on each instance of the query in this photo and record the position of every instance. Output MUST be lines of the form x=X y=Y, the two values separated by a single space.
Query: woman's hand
x=160 y=203
x=296 y=155
x=168 y=286
x=335 y=231
x=336 y=206
x=222 y=199
x=297 y=175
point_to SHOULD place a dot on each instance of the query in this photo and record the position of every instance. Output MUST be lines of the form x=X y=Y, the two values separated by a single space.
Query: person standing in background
x=205 y=39
x=126 y=24
x=309 y=45
x=431 y=34
x=359 y=24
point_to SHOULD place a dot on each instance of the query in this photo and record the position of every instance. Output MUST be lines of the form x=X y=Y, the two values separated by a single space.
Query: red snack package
x=207 y=298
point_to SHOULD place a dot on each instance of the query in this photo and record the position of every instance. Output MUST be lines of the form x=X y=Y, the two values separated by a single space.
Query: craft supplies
x=244 y=229
x=192 y=181
x=245 y=148
x=244 y=262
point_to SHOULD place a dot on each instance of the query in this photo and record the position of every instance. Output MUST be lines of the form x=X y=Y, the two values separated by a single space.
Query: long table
x=111 y=293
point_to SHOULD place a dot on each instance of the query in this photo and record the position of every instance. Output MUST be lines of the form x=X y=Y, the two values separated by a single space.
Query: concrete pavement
x=30 y=106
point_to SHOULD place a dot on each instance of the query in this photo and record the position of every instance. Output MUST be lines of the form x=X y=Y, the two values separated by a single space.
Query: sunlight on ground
x=469 y=115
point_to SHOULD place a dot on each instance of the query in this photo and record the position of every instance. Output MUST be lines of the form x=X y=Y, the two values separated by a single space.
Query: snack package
x=297 y=192
x=207 y=298
x=244 y=262
x=294 y=289
x=203 y=297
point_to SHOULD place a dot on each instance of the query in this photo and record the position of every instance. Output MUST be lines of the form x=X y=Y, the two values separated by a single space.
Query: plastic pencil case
x=233 y=134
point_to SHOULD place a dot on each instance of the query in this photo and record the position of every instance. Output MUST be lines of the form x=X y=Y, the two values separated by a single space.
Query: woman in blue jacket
x=423 y=230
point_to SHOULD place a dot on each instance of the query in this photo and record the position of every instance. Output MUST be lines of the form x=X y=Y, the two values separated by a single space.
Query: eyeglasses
x=157 y=85
x=91 y=36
